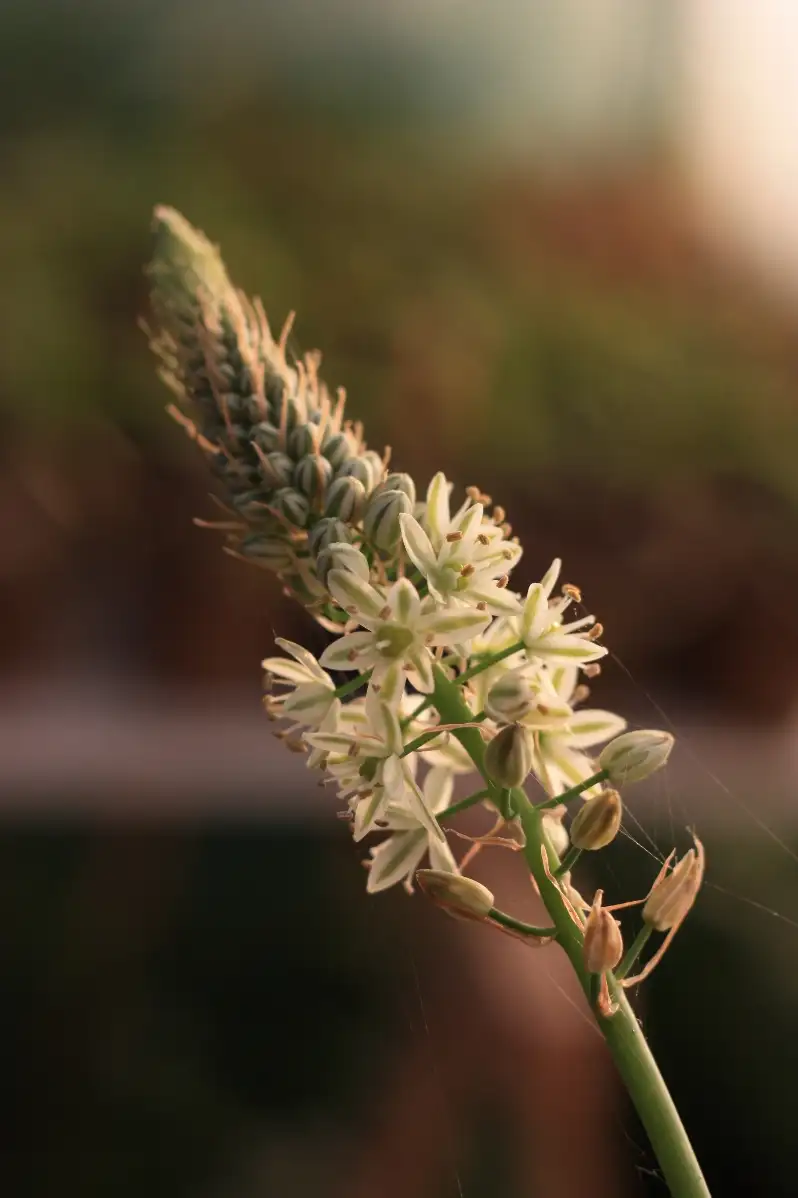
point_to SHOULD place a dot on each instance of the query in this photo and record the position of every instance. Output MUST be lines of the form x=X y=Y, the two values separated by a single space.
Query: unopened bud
x=603 y=946
x=345 y=499
x=597 y=823
x=312 y=475
x=634 y=755
x=328 y=531
x=357 y=468
x=280 y=469
x=398 y=482
x=462 y=897
x=338 y=449
x=381 y=521
x=269 y=551
x=509 y=699
x=672 y=897
x=291 y=505
x=508 y=757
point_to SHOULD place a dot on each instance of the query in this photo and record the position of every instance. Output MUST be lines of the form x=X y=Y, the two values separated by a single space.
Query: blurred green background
x=488 y=223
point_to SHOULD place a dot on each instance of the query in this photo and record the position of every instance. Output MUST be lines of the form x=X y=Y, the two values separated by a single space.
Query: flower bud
x=337 y=450
x=598 y=821
x=376 y=464
x=357 y=468
x=462 y=897
x=345 y=499
x=326 y=532
x=290 y=504
x=302 y=441
x=634 y=755
x=272 y=552
x=398 y=482
x=339 y=556
x=603 y=946
x=672 y=896
x=381 y=520
x=508 y=757
x=312 y=475
x=266 y=436
x=278 y=469
x=509 y=699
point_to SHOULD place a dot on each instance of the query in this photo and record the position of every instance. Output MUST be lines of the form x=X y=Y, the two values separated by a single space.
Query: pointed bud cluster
x=603 y=940
x=673 y=895
x=381 y=521
x=459 y=896
x=508 y=757
x=632 y=756
x=597 y=822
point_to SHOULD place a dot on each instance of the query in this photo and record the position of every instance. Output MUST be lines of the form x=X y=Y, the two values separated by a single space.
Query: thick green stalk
x=623 y=1035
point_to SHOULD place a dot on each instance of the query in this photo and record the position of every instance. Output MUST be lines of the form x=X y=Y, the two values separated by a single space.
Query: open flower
x=398 y=630
x=543 y=633
x=311 y=691
x=397 y=857
x=559 y=759
x=462 y=557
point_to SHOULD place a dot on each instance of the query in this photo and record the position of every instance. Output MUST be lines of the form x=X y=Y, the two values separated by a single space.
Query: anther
x=482 y=607
x=572 y=592
x=451 y=537
x=591 y=670
x=483 y=539
x=595 y=632
x=499 y=514
x=502 y=582
x=384 y=612
x=467 y=570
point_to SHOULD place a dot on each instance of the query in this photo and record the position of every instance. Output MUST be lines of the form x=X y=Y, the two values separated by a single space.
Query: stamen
x=467 y=570
x=591 y=670
x=499 y=514
x=573 y=592
x=595 y=632
x=484 y=539
x=451 y=537
x=384 y=612
x=502 y=582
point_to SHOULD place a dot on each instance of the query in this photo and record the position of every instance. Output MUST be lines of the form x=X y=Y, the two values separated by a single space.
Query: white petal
x=368 y=811
x=290 y=671
x=564 y=680
x=593 y=727
x=453 y=625
x=384 y=722
x=498 y=599
x=302 y=655
x=549 y=579
x=404 y=602
x=350 y=591
x=442 y=857
x=469 y=525
x=310 y=702
x=349 y=652
x=417 y=543
x=563 y=648
x=403 y=788
x=438 y=508
x=438 y=787
x=395 y=859
x=535 y=616
x=388 y=680
x=347 y=557
x=421 y=676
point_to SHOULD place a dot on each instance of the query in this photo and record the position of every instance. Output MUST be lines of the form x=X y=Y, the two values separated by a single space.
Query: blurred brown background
x=551 y=250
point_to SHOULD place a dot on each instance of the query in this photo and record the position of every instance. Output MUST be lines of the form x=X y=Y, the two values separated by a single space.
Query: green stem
x=516 y=925
x=636 y=948
x=569 y=861
x=486 y=662
x=579 y=789
x=625 y=1040
x=353 y=684
x=463 y=805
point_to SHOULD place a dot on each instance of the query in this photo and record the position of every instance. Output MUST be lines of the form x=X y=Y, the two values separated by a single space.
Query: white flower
x=399 y=630
x=558 y=757
x=311 y=692
x=461 y=556
x=397 y=857
x=543 y=633
x=365 y=756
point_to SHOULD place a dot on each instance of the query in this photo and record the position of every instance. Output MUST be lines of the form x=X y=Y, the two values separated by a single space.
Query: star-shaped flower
x=558 y=758
x=397 y=857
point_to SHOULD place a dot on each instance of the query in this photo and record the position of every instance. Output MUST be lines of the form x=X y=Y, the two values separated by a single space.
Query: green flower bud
x=345 y=499
x=290 y=504
x=376 y=464
x=338 y=450
x=632 y=756
x=603 y=946
x=358 y=468
x=272 y=552
x=381 y=520
x=672 y=896
x=278 y=469
x=312 y=475
x=598 y=821
x=266 y=436
x=461 y=897
x=326 y=532
x=509 y=699
x=508 y=757
x=398 y=482
x=302 y=441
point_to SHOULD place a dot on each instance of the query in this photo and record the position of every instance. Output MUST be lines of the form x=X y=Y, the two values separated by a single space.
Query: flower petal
x=349 y=652
x=438 y=787
x=438 y=508
x=354 y=594
x=416 y=543
x=395 y=859
x=593 y=727
x=403 y=788
x=368 y=811
x=563 y=648
x=303 y=656
x=419 y=661
x=453 y=625
x=384 y=723
x=404 y=602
